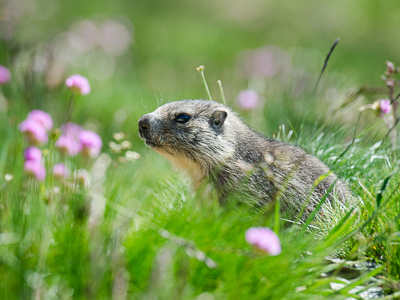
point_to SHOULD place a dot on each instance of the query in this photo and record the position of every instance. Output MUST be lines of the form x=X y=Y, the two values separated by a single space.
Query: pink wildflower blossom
x=33 y=154
x=91 y=143
x=71 y=129
x=390 y=66
x=248 y=99
x=385 y=106
x=60 y=171
x=67 y=144
x=264 y=239
x=78 y=84
x=33 y=131
x=264 y=62
x=5 y=75
x=42 y=117
x=35 y=169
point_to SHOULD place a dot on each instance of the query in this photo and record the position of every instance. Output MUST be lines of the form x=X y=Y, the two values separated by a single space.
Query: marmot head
x=197 y=130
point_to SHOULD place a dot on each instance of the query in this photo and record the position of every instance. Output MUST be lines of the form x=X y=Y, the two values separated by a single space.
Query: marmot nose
x=144 y=124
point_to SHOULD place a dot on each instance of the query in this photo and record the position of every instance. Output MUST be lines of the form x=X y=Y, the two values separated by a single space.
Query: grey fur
x=215 y=145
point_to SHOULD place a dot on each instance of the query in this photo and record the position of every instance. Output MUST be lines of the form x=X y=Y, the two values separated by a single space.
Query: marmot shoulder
x=212 y=143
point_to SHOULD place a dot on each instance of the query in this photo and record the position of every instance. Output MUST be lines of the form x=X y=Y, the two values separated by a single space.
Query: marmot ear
x=219 y=117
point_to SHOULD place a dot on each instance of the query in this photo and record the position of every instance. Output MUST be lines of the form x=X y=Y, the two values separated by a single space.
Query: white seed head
x=126 y=145
x=8 y=177
x=118 y=136
x=132 y=155
x=115 y=148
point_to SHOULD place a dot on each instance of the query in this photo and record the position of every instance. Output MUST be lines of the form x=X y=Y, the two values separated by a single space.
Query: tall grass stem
x=222 y=92
x=69 y=108
x=316 y=86
x=201 y=70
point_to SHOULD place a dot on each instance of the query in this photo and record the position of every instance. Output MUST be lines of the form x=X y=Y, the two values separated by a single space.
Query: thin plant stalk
x=316 y=86
x=222 y=92
x=352 y=141
x=201 y=70
x=69 y=108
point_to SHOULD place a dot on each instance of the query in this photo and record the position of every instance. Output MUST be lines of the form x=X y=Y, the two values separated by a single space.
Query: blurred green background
x=138 y=53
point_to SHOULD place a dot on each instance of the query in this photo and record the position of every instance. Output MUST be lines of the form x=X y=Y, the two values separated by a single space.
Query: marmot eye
x=182 y=118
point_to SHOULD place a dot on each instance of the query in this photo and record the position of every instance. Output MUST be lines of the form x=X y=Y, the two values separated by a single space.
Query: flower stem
x=201 y=70
x=69 y=108
x=222 y=92
x=316 y=86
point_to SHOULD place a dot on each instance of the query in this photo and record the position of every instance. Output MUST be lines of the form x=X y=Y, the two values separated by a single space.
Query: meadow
x=121 y=222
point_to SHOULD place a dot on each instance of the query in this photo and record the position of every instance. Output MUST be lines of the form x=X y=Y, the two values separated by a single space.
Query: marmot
x=212 y=143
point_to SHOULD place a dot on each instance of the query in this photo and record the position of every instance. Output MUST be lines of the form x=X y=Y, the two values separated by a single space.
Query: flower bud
x=390 y=66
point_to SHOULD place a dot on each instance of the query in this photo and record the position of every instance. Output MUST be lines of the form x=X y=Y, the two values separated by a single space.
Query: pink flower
x=33 y=131
x=78 y=84
x=71 y=129
x=385 y=106
x=5 y=75
x=390 y=66
x=264 y=239
x=33 y=154
x=264 y=62
x=60 y=172
x=67 y=144
x=42 y=117
x=91 y=143
x=35 y=169
x=248 y=99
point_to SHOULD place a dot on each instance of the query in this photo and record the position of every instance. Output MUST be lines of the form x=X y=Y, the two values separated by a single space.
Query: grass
x=138 y=231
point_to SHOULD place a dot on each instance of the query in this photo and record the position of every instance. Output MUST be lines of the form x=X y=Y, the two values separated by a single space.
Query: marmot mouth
x=150 y=144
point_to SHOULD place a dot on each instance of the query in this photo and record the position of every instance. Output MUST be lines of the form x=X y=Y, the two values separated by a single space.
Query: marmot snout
x=211 y=142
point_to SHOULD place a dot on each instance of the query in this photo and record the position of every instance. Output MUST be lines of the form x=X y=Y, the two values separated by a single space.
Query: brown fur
x=216 y=145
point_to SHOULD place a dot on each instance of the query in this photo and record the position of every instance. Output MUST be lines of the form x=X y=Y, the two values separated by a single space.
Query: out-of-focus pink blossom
x=248 y=99
x=71 y=129
x=267 y=61
x=264 y=239
x=78 y=84
x=5 y=75
x=33 y=131
x=385 y=106
x=83 y=35
x=33 y=154
x=67 y=144
x=91 y=143
x=390 y=66
x=381 y=107
x=42 y=117
x=60 y=171
x=35 y=169
x=115 y=37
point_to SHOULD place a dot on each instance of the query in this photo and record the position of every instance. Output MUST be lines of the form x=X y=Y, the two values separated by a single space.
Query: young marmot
x=213 y=144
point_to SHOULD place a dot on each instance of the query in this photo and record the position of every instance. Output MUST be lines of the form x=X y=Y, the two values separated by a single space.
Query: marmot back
x=212 y=143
